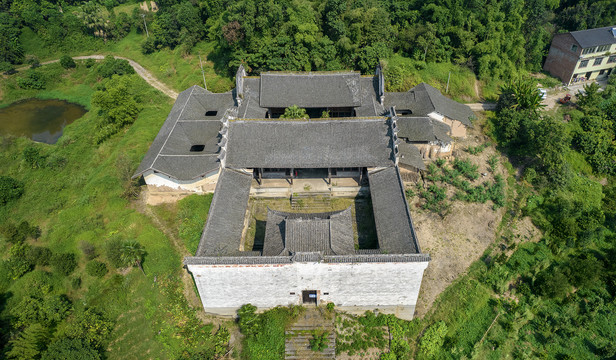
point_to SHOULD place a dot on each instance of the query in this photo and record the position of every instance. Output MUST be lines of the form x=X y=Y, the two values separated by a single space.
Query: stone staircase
x=312 y=202
x=298 y=335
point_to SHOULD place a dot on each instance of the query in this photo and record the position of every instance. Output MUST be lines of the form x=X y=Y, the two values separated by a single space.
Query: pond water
x=40 y=120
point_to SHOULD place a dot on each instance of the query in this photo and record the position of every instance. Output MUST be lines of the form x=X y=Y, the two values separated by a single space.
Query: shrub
x=67 y=62
x=76 y=283
x=466 y=168
x=32 y=80
x=113 y=253
x=64 y=263
x=39 y=255
x=10 y=189
x=68 y=348
x=148 y=46
x=32 y=157
x=294 y=112
x=432 y=340
x=33 y=61
x=552 y=284
x=319 y=340
x=6 y=66
x=96 y=268
x=90 y=62
x=88 y=249
x=110 y=66
x=18 y=262
x=248 y=320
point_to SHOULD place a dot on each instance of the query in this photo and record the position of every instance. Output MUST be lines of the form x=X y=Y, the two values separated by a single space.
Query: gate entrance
x=309 y=297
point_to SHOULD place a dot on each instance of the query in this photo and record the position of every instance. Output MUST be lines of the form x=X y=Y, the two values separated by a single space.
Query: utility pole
x=202 y=72
x=447 y=89
x=146 y=25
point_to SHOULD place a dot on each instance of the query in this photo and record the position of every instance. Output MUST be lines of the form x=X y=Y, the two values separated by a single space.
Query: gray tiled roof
x=409 y=155
x=595 y=37
x=328 y=233
x=250 y=108
x=338 y=89
x=394 y=227
x=305 y=257
x=187 y=125
x=225 y=222
x=370 y=105
x=306 y=144
x=424 y=99
x=423 y=129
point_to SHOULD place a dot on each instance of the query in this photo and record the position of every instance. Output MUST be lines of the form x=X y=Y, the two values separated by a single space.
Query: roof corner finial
x=239 y=84
x=381 y=83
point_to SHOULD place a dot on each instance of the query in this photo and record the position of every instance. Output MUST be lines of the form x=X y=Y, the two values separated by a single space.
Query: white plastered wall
x=355 y=287
x=165 y=183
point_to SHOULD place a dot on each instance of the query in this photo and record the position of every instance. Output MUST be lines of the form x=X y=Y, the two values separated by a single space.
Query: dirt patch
x=460 y=237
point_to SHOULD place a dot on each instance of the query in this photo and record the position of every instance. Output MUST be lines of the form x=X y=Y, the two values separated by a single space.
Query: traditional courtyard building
x=232 y=143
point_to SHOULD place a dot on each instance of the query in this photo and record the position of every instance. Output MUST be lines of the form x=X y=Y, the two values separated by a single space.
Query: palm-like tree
x=133 y=253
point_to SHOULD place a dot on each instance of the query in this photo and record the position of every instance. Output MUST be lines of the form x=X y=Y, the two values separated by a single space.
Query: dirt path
x=140 y=70
x=482 y=106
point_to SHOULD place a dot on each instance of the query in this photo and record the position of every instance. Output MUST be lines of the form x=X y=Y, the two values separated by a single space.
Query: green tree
x=10 y=189
x=67 y=62
x=116 y=105
x=28 y=344
x=64 y=263
x=90 y=326
x=294 y=112
x=133 y=254
x=70 y=349
x=96 y=268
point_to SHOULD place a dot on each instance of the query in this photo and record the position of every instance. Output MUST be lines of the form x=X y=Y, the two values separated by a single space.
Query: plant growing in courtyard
x=319 y=340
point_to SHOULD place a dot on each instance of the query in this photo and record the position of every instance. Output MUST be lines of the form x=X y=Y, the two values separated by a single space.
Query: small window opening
x=325 y=293
x=211 y=113
x=292 y=293
x=197 y=148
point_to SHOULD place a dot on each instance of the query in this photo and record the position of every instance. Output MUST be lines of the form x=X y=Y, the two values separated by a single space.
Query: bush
x=39 y=255
x=319 y=340
x=552 y=284
x=111 y=66
x=6 y=66
x=10 y=189
x=64 y=263
x=432 y=340
x=148 y=46
x=466 y=168
x=96 y=269
x=88 y=250
x=67 y=62
x=33 y=80
x=248 y=320
x=68 y=348
x=33 y=61
x=76 y=283
x=90 y=62
x=113 y=253
x=32 y=157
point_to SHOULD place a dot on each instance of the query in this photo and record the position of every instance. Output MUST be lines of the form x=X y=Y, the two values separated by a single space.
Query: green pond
x=39 y=120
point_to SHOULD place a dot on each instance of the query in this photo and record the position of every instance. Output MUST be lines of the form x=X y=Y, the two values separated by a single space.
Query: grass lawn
x=80 y=198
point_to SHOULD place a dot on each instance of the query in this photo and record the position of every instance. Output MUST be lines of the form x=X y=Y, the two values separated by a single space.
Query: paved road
x=146 y=75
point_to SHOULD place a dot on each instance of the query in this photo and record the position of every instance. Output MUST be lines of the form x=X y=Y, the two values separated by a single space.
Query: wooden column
x=292 y=176
x=329 y=175
x=260 y=170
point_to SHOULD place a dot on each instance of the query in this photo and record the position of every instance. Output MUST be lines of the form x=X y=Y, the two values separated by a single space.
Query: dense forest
x=85 y=275
x=492 y=38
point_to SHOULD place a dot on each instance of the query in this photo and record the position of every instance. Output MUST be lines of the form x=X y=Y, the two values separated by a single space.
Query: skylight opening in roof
x=211 y=113
x=197 y=148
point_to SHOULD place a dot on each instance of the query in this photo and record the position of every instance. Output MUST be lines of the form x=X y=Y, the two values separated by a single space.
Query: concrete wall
x=162 y=182
x=390 y=287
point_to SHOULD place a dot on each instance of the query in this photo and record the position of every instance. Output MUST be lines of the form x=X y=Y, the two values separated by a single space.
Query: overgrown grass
x=83 y=200
x=403 y=73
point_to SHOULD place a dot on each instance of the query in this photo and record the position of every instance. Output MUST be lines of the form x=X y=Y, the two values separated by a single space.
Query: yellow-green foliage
x=402 y=73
